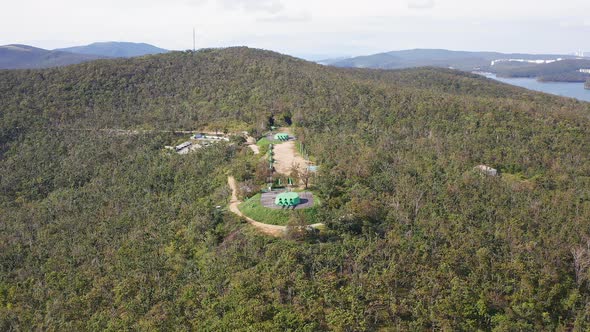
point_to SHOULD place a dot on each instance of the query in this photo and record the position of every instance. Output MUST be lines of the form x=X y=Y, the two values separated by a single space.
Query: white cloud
x=269 y=6
x=304 y=26
x=300 y=17
x=421 y=4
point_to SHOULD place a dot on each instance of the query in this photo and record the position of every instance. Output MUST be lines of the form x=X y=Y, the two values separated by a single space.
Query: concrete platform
x=268 y=200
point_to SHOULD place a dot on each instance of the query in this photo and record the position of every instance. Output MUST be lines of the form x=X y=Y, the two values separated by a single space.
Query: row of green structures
x=287 y=199
x=281 y=137
x=271 y=154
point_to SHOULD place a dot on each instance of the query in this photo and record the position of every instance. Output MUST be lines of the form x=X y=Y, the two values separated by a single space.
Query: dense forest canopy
x=105 y=231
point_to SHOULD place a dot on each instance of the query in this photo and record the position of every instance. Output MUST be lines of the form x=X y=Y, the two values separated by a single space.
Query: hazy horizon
x=306 y=28
x=306 y=56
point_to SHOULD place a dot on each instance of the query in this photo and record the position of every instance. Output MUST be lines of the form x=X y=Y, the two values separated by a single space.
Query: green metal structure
x=287 y=199
x=282 y=137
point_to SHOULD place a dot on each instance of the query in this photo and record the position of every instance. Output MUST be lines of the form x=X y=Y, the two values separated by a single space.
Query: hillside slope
x=23 y=56
x=109 y=232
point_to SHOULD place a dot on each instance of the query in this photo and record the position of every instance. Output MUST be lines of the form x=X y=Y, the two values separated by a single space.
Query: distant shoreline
x=576 y=90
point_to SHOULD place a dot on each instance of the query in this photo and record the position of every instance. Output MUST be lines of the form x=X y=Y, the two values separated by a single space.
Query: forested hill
x=560 y=71
x=181 y=89
x=108 y=232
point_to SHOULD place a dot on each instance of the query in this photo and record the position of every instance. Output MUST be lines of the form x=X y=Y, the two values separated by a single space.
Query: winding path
x=251 y=143
x=254 y=148
x=272 y=230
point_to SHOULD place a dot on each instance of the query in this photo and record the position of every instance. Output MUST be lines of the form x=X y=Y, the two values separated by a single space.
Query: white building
x=585 y=70
x=487 y=170
x=182 y=146
x=538 y=62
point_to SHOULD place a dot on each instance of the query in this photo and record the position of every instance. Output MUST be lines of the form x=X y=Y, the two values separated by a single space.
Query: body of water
x=572 y=90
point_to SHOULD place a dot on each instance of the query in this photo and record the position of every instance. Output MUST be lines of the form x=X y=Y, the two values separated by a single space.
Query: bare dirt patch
x=254 y=148
x=286 y=157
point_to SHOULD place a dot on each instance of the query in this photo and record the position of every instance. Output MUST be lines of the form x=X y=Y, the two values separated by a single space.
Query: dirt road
x=251 y=143
x=272 y=230
x=114 y=131
x=254 y=148
x=286 y=156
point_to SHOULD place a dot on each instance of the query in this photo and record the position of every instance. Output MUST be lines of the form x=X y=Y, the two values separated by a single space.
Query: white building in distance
x=538 y=62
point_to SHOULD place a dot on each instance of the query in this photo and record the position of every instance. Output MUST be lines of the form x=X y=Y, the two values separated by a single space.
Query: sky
x=312 y=29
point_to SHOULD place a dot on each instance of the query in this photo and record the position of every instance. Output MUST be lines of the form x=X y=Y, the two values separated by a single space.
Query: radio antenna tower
x=194 y=47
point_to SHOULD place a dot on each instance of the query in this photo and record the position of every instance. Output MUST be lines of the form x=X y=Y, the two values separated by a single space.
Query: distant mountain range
x=115 y=49
x=18 y=56
x=462 y=60
x=544 y=67
x=24 y=56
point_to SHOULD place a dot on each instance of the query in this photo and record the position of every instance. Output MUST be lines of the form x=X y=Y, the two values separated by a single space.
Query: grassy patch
x=254 y=209
x=263 y=144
